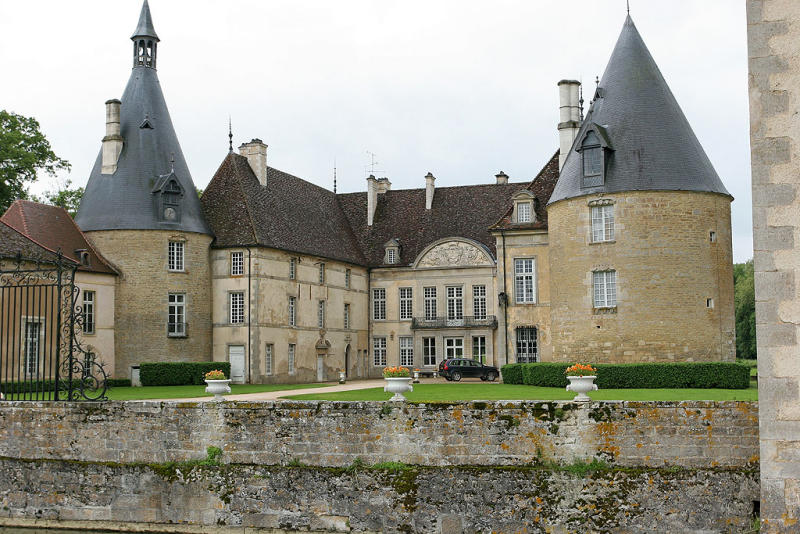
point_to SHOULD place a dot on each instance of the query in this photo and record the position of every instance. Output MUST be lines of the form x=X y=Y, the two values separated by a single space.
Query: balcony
x=467 y=321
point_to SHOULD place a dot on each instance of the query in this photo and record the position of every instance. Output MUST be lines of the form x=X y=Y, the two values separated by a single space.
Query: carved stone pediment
x=454 y=254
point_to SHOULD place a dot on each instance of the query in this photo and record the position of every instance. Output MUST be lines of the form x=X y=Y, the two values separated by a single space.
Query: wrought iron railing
x=467 y=321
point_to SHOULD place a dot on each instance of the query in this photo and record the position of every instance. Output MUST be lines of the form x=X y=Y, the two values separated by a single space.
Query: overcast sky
x=460 y=88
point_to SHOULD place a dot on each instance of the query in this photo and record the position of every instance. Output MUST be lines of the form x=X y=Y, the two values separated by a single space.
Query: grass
x=468 y=392
x=189 y=392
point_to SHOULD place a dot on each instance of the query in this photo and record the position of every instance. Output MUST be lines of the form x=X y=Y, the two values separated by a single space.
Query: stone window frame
x=479 y=303
x=527 y=199
x=237 y=263
x=236 y=316
x=30 y=365
x=292 y=310
x=321 y=313
x=176 y=255
x=379 y=347
x=378 y=304
x=406 y=312
x=269 y=359
x=407 y=351
x=524 y=339
x=292 y=268
x=525 y=297
x=457 y=300
x=88 y=312
x=346 y=316
x=183 y=307
x=429 y=351
x=602 y=228
x=430 y=301
x=609 y=290
x=291 y=358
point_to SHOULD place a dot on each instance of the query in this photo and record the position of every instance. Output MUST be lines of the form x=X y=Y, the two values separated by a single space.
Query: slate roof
x=53 y=228
x=13 y=243
x=145 y=26
x=654 y=147
x=541 y=187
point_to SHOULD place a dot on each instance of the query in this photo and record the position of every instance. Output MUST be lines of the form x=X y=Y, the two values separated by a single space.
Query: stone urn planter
x=218 y=388
x=398 y=386
x=581 y=385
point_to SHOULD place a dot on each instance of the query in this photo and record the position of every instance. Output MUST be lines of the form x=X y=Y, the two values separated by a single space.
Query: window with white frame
x=379 y=351
x=455 y=303
x=237 y=263
x=88 y=312
x=176 y=315
x=479 y=348
x=321 y=314
x=175 y=256
x=237 y=307
x=292 y=311
x=526 y=345
x=32 y=347
x=602 y=223
x=525 y=280
x=290 y=358
x=454 y=347
x=379 y=304
x=292 y=268
x=321 y=273
x=479 y=302
x=524 y=212
x=429 y=294
x=605 y=289
x=347 y=316
x=347 y=275
x=268 y=359
x=407 y=351
x=406 y=303
x=391 y=256
x=429 y=351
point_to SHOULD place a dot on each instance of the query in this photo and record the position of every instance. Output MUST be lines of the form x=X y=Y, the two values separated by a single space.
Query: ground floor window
x=33 y=332
x=292 y=348
x=454 y=347
x=479 y=348
x=429 y=351
x=268 y=360
x=526 y=345
x=176 y=312
x=407 y=351
x=379 y=351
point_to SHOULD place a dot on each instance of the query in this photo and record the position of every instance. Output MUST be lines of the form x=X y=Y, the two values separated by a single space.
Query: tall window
x=321 y=273
x=379 y=304
x=526 y=345
x=592 y=157
x=479 y=302
x=175 y=256
x=347 y=316
x=429 y=351
x=292 y=311
x=605 y=289
x=391 y=256
x=33 y=332
x=237 y=307
x=429 y=294
x=292 y=268
x=479 y=348
x=268 y=361
x=407 y=351
x=321 y=314
x=406 y=307
x=237 y=263
x=88 y=312
x=453 y=347
x=524 y=280
x=524 y=212
x=176 y=315
x=347 y=276
x=379 y=351
x=602 y=223
x=455 y=303
x=290 y=358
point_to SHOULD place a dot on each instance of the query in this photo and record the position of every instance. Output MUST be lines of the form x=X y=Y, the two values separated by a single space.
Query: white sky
x=460 y=88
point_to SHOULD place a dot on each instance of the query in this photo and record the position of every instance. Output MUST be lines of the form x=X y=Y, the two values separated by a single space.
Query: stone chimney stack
x=569 y=117
x=384 y=185
x=429 y=179
x=112 y=142
x=502 y=178
x=256 y=153
x=372 y=198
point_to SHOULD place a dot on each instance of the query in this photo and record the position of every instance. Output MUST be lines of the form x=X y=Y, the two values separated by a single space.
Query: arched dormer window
x=525 y=204
x=594 y=149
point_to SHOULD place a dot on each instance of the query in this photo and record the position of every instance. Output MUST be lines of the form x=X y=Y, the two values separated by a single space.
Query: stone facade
x=101 y=340
x=774 y=61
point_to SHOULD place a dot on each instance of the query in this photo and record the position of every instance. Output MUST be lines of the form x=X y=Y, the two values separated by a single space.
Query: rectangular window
x=290 y=358
x=175 y=256
x=524 y=212
x=391 y=256
x=602 y=223
x=592 y=161
x=429 y=294
x=605 y=289
x=268 y=363
x=321 y=314
x=237 y=307
x=526 y=345
x=176 y=315
x=479 y=302
x=292 y=268
x=292 y=311
x=347 y=316
x=321 y=274
x=453 y=347
x=524 y=280
x=347 y=276
x=88 y=312
x=406 y=303
x=455 y=303
x=479 y=348
x=237 y=263
x=407 y=351
x=379 y=304
x=429 y=351
x=379 y=351
x=33 y=332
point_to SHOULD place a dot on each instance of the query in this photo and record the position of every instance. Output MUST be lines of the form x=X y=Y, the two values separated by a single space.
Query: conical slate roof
x=145 y=27
x=652 y=144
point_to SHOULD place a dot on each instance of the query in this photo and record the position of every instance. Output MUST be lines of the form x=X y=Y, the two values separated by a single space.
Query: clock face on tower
x=169 y=214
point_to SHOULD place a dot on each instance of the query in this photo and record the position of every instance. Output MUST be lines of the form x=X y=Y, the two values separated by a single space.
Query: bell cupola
x=145 y=40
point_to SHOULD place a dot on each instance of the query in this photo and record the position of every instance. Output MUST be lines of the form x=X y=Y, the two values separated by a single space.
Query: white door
x=320 y=369
x=236 y=357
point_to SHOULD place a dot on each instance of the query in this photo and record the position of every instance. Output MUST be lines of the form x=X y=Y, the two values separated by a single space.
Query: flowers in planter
x=580 y=369
x=216 y=374
x=396 y=372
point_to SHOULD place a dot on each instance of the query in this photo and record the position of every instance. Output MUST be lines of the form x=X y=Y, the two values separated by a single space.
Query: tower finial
x=230 y=136
x=145 y=40
x=580 y=102
x=334 y=176
x=628 y=3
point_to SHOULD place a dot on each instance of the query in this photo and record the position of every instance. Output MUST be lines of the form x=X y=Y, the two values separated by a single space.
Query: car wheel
x=483 y=378
x=492 y=376
x=456 y=376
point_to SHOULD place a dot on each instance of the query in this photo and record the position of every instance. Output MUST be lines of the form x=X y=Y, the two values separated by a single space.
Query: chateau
x=619 y=250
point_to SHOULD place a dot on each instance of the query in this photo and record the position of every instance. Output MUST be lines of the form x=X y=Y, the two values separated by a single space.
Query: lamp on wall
x=502 y=298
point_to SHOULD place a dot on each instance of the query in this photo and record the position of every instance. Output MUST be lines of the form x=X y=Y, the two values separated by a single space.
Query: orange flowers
x=396 y=372
x=580 y=369
x=216 y=374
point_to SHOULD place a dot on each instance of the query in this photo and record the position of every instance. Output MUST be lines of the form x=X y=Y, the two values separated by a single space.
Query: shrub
x=179 y=373
x=723 y=375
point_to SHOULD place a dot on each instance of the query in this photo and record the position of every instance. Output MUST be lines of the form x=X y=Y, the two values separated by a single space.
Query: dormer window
x=392 y=252
x=169 y=193
x=524 y=208
x=524 y=212
x=391 y=256
x=594 y=149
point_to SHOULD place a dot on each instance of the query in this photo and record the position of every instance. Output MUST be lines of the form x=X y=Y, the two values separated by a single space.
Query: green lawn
x=467 y=392
x=186 y=392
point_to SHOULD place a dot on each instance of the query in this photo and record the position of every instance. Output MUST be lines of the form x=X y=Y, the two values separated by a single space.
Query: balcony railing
x=467 y=321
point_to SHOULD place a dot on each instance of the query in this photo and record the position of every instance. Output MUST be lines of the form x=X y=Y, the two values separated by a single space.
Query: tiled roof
x=541 y=187
x=13 y=243
x=53 y=228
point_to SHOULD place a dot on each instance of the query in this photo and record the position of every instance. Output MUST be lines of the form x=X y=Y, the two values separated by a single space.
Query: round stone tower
x=639 y=228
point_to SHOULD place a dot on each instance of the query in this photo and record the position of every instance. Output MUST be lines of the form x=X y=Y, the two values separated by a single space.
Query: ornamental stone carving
x=454 y=253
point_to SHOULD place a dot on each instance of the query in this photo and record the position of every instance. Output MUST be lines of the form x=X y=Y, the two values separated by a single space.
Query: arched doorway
x=347 y=361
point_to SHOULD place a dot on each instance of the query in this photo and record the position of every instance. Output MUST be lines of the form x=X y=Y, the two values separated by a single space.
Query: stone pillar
x=372 y=198
x=773 y=31
x=112 y=142
x=256 y=153
x=569 y=117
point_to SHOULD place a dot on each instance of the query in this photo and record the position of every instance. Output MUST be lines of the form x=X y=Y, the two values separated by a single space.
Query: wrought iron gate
x=42 y=356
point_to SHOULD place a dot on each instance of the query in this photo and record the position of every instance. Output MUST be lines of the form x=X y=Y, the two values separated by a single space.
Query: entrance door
x=236 y=357
x=320 y=369
x=347 y=361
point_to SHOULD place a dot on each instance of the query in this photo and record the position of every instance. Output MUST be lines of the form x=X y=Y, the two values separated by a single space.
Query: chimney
x=429 y=179
x=372 y=198
x=112 y=142
x=384 y=185
x=502 y=178
x=256 y=153
x=569 y=117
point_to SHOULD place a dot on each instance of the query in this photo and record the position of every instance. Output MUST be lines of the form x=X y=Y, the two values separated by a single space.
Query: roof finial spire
x=334 y=176
x=230 y=135
x=581 y=100
x=628 y=3
x=172 y=162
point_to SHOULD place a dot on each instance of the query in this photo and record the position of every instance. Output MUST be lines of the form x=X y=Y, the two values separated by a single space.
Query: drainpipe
x=505 y=300
x=249 y=312
x=369 y=324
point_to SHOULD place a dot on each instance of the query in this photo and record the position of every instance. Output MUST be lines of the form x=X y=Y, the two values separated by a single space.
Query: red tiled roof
x=13 y=243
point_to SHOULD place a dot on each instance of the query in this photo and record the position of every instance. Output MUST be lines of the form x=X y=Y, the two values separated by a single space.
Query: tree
x=745 y=303
x=65 y=197
x=24 y=153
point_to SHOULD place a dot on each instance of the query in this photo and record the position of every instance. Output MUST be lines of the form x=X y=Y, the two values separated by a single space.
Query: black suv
x=457 y=368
